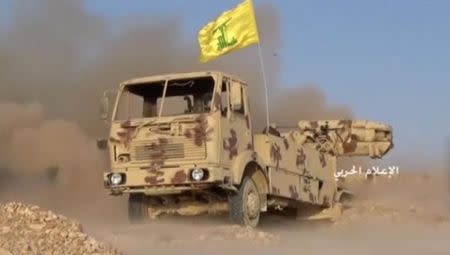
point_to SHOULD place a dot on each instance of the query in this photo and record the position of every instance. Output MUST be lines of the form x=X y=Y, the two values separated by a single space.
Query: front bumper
x=164 y=180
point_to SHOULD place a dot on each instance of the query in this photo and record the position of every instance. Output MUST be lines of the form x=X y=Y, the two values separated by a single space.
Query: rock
x=4 y=252
x=36 y=227
x=5 y=230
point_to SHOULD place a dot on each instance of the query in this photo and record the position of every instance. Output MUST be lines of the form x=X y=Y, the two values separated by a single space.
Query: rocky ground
x=26 y=229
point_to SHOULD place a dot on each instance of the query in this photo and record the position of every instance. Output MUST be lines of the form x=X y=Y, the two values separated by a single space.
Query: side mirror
x=102 y=144
x=104 y=107
x=235 y=96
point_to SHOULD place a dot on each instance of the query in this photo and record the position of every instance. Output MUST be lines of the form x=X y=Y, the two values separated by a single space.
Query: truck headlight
x=197 y=174
x=115 y=178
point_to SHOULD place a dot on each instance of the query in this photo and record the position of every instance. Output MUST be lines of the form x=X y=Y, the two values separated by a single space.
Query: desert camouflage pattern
x=156 y=155
x=302 y=162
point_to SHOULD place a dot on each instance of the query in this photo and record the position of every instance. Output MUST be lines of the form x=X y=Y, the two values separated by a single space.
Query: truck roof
x=153 y=78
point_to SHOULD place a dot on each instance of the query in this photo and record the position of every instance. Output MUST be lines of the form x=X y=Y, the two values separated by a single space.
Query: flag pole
x=262 y=69
x=263 y=73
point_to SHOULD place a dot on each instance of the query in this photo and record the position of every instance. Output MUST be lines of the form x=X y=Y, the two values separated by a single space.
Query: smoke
x=36 y=146
x=33 y=143
x=63 y=57
x=308 y=103
x=59 y=54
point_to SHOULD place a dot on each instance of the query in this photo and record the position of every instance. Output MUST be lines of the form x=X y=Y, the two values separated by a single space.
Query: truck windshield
x=182 y=96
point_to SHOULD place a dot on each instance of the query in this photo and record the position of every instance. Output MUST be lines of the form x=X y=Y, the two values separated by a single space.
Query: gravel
x=28 y=229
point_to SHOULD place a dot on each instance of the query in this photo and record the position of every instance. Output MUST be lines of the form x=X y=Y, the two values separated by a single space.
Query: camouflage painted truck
x=183 y=144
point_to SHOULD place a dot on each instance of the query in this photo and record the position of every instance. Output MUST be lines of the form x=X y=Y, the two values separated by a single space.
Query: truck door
x=235 y=122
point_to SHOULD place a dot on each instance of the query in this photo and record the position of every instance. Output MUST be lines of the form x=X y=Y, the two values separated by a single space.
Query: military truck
x=183 y=143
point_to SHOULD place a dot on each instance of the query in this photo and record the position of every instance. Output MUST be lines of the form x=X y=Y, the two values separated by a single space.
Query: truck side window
x=241 y=110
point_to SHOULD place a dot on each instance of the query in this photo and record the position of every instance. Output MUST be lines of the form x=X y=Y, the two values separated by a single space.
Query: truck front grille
x=172 y=149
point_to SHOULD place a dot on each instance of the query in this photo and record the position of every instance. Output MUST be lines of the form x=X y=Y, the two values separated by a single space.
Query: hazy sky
x=388 y=60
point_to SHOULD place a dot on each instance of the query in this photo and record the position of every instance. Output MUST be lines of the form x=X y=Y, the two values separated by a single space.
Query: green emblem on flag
x=222 y=40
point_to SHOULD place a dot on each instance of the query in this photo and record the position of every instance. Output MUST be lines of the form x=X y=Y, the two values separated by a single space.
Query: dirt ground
x=409 y=215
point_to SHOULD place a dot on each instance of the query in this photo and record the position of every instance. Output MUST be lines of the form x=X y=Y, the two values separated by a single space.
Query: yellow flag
x=233 y=29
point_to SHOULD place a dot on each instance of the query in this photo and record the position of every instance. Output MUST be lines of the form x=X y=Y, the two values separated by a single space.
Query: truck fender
x=239 y=166
x=241 y=162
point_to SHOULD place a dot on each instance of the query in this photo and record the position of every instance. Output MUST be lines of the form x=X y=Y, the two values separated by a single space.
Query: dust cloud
x=405 y=215
x=61 y=56
x=64 y=57
x=31 y=143
x=49 y=162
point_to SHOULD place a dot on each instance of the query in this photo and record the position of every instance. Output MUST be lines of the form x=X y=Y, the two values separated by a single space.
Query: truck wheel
x=245 y=205
x=137 y=208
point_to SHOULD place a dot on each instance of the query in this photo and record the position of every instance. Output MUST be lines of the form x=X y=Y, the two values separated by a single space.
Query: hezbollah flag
x=233 y=29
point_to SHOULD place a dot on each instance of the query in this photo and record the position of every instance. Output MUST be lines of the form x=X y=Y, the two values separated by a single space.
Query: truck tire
x=137 y=208
x=245 y=205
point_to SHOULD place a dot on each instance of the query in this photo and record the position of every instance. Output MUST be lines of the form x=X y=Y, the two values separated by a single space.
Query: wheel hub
x=252 y=204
